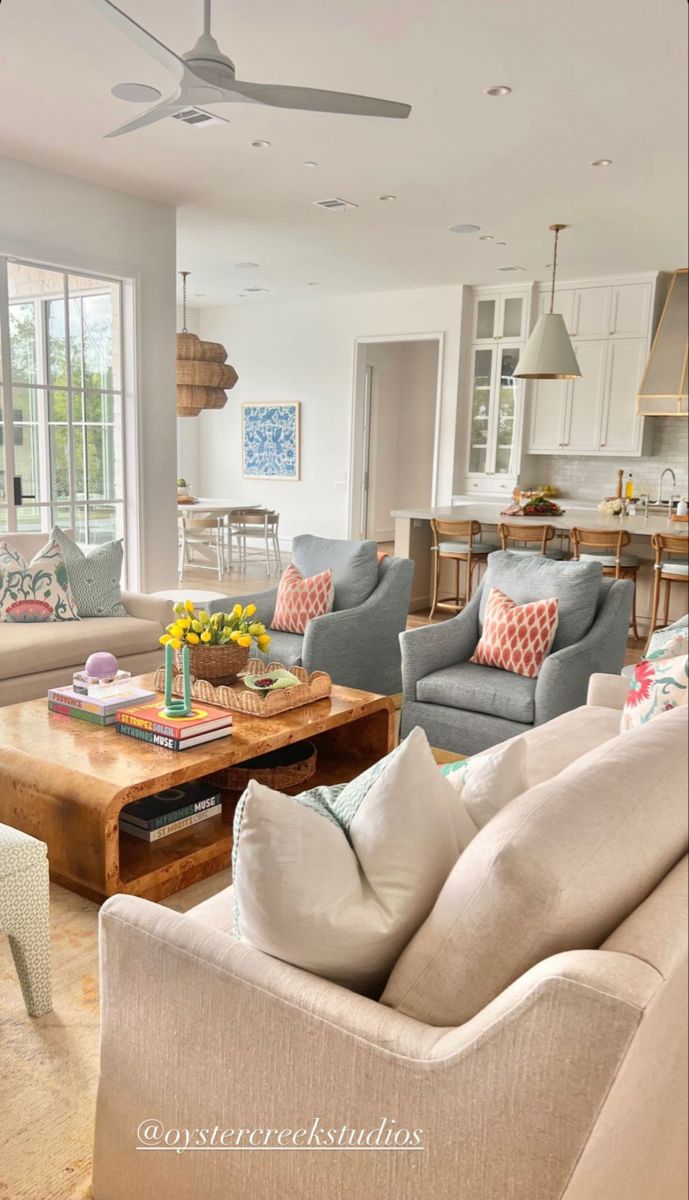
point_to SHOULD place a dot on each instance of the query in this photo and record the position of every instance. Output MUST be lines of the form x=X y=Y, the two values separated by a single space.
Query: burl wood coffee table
x=65 y=781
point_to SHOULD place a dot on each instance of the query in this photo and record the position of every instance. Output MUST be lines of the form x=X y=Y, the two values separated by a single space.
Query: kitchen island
x=414 y=538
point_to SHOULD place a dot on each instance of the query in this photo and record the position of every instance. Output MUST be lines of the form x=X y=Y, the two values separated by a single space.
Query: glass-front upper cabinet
x=500 y=316
x=494 y=396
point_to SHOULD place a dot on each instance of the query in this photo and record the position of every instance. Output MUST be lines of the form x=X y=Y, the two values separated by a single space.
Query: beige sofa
x=36 y=657
x=568 y=1084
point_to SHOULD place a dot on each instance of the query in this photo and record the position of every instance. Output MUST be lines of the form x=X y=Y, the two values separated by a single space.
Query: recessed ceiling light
x=260 y=144
x=310 y=163
x=486 y=237
x=498 y=89
x=601 y=162
x=388 y=197
x=136 y=93
x=246 y=266
x=313 y=283
x=253 y=290
x=464 y=228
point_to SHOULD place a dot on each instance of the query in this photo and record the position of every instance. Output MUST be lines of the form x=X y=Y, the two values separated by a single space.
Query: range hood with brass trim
x=663 y=391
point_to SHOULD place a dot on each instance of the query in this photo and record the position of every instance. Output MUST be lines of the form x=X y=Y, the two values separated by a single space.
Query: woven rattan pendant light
x=204 y=377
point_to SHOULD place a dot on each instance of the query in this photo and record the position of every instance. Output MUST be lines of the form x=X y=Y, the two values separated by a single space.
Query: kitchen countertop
x=588 y=518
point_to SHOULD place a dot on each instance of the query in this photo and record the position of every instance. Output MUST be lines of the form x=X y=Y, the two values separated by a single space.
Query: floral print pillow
x=35 y=592
x=659 y=684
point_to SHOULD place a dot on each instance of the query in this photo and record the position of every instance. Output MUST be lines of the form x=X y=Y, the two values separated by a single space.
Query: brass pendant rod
x=556 y=229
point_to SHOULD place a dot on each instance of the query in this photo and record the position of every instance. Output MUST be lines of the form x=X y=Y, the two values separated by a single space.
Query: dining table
x=212 y=506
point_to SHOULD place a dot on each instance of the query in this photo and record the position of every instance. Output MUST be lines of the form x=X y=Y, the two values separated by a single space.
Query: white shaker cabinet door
x=630 y=312
x=547 y=416
x=583 y=421
x=621 y=427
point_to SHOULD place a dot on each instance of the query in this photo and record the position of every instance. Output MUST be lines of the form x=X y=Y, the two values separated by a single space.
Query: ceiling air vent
x=511 y=268
x=335 y=205
x=198 y=116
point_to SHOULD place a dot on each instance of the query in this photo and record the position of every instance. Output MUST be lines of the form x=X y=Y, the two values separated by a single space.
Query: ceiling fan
x=206 y=76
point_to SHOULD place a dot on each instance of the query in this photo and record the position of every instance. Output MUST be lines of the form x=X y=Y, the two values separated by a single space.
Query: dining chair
x=668 y=569
x=530 y=539
x=207 y=533
x=256 y=525
x=607 y=547
x=458 y=542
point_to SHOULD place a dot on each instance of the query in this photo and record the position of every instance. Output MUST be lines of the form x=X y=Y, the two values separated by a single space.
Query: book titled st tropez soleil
x=148 y=723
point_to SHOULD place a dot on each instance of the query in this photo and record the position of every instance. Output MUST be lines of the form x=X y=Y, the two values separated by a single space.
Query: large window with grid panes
x=61 y=402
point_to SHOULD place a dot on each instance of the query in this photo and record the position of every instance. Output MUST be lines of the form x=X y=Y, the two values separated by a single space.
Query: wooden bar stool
x=459 y=542
x=529 y=539
x=616 y=564
x=668 y=571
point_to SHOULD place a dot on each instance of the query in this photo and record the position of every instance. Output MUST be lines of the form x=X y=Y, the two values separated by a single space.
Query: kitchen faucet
x=666 y=471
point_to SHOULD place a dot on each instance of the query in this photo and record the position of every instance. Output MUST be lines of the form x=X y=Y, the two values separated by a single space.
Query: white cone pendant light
x=549 y=354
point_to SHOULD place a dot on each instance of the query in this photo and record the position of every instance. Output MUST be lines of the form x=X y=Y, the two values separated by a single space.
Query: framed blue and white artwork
x=270 y=441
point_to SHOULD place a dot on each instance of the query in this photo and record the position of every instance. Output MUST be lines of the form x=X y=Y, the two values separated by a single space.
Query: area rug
x=49 y=1066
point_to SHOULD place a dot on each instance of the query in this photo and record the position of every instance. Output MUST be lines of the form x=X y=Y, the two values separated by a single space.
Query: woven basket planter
x=217 y=664
x=289 y=767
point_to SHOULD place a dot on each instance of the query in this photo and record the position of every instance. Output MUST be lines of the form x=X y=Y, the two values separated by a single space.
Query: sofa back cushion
x=28 y=544
x=526 y=577
x=354 y=566
x=558 y=869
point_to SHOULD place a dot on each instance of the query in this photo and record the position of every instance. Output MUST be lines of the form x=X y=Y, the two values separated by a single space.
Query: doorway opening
x=395 y=427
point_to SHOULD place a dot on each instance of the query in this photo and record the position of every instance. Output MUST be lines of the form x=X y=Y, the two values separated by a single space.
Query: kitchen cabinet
x=494 y=396
x=610 y=327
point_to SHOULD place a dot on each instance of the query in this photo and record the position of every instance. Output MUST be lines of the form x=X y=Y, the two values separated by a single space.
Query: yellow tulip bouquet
x=198 y=628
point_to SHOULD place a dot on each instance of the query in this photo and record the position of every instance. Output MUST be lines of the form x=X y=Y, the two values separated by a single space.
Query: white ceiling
x=590 y=79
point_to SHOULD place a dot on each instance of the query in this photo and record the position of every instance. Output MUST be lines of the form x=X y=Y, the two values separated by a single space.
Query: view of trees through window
x=61 y=395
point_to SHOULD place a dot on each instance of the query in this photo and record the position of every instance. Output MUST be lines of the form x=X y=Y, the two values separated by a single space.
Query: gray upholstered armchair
x=465 y=707
x=358 y=642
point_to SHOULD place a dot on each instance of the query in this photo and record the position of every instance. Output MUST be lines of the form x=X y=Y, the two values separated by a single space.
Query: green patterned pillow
x=94 y=577
x=31 y=593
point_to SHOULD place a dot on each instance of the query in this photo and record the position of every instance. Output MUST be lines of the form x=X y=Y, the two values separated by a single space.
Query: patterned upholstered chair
x=24 y=914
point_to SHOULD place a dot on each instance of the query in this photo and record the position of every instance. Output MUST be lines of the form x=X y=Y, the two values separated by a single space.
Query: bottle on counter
x=629 y=489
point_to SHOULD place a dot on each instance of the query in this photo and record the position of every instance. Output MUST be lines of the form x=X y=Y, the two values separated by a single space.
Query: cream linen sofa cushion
x=488 y=781
x=28 y=649
x=336 y=881
x=558 y=869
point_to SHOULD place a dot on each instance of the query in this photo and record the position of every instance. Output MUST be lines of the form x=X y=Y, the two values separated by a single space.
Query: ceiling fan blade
x=315 y=100
x=159 y=112
x=145 y=40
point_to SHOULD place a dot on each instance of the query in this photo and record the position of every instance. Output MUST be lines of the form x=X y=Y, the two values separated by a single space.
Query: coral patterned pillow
x=36 y=592
x=517 y=637
x=659 y=684
x=300 y=599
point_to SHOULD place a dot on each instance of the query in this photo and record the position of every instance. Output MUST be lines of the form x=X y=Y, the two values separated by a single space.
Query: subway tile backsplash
x=583 y=478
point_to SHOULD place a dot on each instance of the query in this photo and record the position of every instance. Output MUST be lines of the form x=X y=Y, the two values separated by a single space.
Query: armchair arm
x=563 y=682
x=608 y=691
x=149 y=608
x=359 y=647
x=432 y=647
x=264 y=601
x=199 y=1031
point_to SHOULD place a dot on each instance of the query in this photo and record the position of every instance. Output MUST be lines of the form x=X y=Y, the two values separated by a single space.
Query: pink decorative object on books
x=517 y=637
x=101 y=667
x=300 y=599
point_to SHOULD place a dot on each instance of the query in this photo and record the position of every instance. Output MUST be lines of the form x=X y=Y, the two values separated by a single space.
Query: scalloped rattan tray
x=315 y=686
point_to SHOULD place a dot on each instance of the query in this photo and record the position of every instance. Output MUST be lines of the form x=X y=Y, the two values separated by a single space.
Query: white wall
x=305 y=351
x=68 y=222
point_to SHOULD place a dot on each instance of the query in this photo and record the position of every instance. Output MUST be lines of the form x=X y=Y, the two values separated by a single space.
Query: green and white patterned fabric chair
x=25 y=914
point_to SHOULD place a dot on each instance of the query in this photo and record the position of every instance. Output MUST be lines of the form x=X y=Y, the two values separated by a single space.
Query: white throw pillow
x=488 y=781
x=337 y=880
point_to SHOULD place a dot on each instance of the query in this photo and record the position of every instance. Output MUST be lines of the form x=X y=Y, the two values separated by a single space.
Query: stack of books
x=103 y=711
x=169 y=812
x=148 y=723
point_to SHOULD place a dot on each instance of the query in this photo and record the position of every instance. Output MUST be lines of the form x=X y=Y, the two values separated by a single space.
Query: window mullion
x=7 y=394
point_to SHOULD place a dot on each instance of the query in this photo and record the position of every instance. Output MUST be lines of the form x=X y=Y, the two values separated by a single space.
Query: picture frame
x=271 y=440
